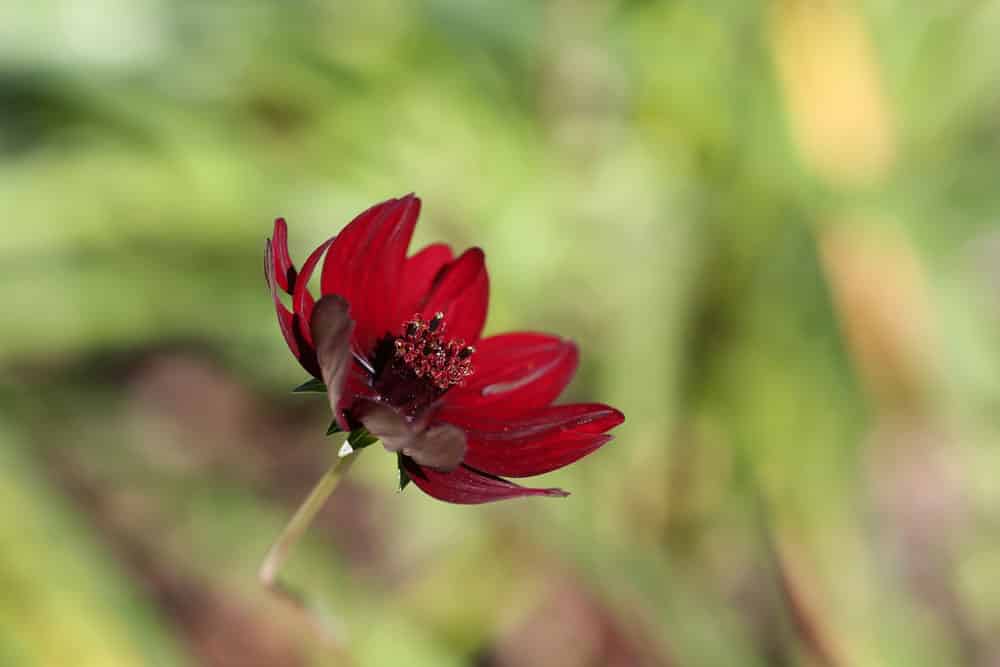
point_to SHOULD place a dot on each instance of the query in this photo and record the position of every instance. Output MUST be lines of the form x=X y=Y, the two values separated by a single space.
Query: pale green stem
x=304 y=516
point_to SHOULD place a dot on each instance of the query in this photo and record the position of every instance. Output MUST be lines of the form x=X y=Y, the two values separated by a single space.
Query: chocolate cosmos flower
x=396 y=341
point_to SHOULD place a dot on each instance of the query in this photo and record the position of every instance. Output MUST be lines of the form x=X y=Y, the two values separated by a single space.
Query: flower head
x=396 y=342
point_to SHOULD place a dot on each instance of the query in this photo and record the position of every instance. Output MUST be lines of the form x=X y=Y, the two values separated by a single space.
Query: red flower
x=396 y=340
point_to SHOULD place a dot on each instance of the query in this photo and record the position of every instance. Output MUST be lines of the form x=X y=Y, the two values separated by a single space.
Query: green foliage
x=334 y=428
x=65 y=600
x=314 y=385
x=360 y=438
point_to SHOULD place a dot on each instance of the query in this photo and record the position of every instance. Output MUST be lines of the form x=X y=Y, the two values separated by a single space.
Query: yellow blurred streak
x=832 y=87
x=880 y=294
x=808 y=608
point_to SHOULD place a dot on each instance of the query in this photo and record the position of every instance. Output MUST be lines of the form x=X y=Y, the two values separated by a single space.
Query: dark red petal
x=358 y=386
x=332 y=329
x=418 y=276
x=538 y=457
x=468 y=312
x=461 y=291
x=284 y=270
x=377 y=286
x=346 y=249
x=302 y=299
x=537 y=441
x=352 y=257
x=286 y=320
x=579 y=417
x=466 y=486
x=515 y=372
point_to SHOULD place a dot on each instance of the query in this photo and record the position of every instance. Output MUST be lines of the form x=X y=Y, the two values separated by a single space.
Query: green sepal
x=334 y=428
x=360 y=438
x=404 y=477
x=311 y=385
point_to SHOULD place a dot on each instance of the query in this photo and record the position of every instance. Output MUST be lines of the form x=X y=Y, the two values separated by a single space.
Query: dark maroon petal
x=377 y=285
x=332 y=329
x=534 y=442
x=440 y=447
x=302 y=299
x=461 y=291
x=466 y=486
x=284 y=270
x=515 y=372
x=418 y=276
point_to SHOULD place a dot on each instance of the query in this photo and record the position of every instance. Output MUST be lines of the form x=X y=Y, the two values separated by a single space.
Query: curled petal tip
x=284 y=270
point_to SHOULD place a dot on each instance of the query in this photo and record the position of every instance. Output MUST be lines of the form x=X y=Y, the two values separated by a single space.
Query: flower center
x=424 y=350
x=414 y=369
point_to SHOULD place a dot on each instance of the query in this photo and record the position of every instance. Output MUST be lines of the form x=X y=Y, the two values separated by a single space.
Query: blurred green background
x=772 y=227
